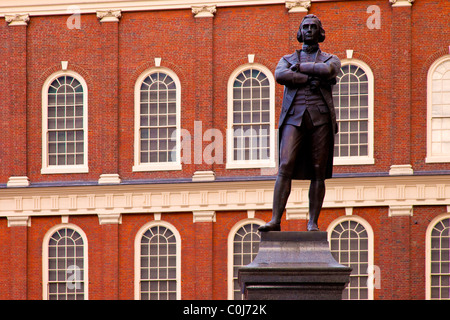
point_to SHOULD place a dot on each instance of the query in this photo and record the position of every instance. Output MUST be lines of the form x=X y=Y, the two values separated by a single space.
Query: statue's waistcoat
x=307 y=99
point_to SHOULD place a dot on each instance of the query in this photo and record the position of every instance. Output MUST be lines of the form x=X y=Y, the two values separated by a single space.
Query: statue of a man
x=307 y=122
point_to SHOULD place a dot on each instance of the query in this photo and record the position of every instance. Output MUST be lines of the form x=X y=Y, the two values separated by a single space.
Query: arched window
x=157 y=121
x=64 y=137
x=438 y=258
x=157 y=273
x=251 y=134
x=65 y=274
x=438 y=136
x=353 y=101
x=243 y=246
x=351 y=244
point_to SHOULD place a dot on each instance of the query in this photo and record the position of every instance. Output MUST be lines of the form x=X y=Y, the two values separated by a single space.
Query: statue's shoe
x=312 y=227
x=270 y=226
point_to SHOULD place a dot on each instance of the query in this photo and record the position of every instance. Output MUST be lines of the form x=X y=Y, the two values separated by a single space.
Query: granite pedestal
x=291 y=266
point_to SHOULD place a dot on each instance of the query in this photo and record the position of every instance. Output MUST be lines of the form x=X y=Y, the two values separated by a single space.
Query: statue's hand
x=295 y=67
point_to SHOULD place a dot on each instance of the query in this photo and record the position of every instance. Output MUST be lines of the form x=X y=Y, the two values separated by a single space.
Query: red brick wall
x=111 y=56
x=399 y=244
x=50 y=42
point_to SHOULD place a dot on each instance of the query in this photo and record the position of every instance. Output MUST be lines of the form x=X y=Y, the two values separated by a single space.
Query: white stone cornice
x=204 y=11
x=298 y=6
x=60 y=7
x=19 y=19
x=401 y=3
x=207 y=198
x=109 y=15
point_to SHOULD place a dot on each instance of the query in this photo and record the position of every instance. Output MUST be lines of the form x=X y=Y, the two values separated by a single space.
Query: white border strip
x=62 y=7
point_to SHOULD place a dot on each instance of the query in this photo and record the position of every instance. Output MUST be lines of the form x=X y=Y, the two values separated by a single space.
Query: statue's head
x=310 y=30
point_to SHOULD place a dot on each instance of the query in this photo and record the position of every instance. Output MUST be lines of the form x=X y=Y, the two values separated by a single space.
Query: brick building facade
x=138 y=149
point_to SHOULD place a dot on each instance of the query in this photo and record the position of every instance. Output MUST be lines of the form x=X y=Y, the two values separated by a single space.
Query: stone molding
x=60 y=7
x=207 y=199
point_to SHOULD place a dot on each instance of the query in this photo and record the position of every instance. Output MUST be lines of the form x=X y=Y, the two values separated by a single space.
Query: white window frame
x=243 y=164
x=137 y=255
x=45 y=257
x=430 y=157
x=430 y=228
x=370 y=236
x=160 y=166
x=230 y=253
x=46 y=168
x=369 y=159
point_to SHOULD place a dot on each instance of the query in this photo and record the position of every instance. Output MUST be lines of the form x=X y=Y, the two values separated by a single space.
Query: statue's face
x=310 y=31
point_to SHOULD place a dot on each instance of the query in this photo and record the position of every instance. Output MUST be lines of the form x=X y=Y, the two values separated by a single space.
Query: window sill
x=157 y=167
x=437 y=159
x=353 y=161
x=250 y=165
x=64 y=169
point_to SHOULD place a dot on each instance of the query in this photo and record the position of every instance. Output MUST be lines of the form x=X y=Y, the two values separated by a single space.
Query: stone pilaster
x=18 y=98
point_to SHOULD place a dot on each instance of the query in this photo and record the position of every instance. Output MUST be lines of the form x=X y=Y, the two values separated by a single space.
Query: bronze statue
x=307 y=122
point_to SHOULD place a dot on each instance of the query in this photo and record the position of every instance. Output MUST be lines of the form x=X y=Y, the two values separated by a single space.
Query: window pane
x=158 y=264
x=251 y=104
x=352 y=105
x=440 y=260
x=349 y=246
x=440 y=110
x=161 y=105
x=64 y=116
x=66 y=246
x=245 y=248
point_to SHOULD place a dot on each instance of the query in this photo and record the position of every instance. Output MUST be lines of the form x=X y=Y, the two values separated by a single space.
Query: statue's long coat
x=292 y=81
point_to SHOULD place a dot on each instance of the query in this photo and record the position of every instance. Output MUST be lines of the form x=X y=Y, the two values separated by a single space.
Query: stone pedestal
x=291 y=266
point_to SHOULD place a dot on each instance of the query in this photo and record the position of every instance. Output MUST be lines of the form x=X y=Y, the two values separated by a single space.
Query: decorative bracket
x=204 y=216
x=20 y=221
x=298 y=6
x=401 y=3
x=19 y=19
x=109 y=15
x=401 y=211
x=203 y=11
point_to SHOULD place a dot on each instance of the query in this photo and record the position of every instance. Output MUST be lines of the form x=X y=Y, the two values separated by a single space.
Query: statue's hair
x=322 y=30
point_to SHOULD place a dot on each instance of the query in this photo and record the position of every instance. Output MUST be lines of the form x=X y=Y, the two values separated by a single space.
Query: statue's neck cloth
x=310 y=48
